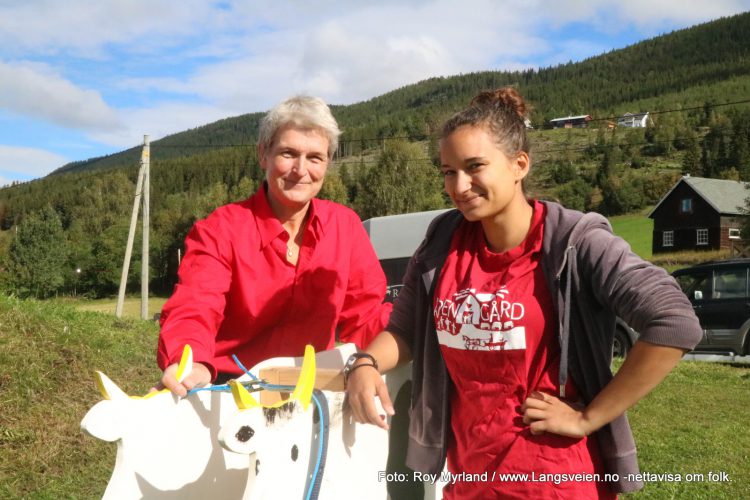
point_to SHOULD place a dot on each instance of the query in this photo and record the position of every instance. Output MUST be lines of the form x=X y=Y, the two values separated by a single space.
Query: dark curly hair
x=503 y=112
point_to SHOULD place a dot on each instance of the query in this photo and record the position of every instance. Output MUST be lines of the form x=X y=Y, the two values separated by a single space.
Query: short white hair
x=300 y=111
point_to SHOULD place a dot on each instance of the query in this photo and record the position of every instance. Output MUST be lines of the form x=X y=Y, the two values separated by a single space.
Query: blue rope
x=285 y=388
x=314 y=489
x=225 y=387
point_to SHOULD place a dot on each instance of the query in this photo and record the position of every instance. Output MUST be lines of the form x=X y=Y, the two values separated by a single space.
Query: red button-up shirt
x=238 y=294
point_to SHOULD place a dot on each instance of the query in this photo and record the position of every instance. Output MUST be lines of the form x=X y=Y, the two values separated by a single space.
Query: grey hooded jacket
x=592 y=277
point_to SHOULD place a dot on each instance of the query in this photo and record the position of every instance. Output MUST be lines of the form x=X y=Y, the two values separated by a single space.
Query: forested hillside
x=678 y=68
x=67 y=231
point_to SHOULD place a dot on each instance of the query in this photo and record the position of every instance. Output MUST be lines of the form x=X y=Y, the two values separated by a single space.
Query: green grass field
x=693 y=423
x=637 y=230
x=131 y=307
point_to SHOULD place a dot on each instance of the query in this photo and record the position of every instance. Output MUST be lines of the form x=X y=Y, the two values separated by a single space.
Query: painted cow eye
x=295 y=453
x=244 y=434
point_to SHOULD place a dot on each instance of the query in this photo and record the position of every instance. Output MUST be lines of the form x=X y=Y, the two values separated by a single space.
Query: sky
x=86 y=78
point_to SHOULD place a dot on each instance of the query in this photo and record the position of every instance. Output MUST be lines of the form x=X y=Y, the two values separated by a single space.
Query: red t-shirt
x=238 y=294
x=495 y=324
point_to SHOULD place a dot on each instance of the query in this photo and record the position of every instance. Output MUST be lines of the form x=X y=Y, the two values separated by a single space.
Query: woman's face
x=295 y=166
x=480 y=178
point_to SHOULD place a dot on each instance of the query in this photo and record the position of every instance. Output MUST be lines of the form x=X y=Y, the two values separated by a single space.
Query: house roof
x=726 y=197
x=580 y=117
x=636 y=116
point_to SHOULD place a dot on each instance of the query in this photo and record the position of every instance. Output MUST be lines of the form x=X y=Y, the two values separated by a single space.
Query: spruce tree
x=37 y=256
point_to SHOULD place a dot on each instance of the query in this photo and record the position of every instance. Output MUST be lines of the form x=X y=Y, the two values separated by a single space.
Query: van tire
x=621 y=344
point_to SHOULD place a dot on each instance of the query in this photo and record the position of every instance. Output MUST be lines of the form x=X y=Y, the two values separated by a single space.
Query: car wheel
x=621 y=345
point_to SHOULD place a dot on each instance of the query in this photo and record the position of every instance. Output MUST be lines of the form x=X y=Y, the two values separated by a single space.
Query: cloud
x=648 y=13
x=34 y=89
x=157 y=122
x=353 y=54
x=648 y=17
x=86 y=28
x=21 y=164
x=104 y=74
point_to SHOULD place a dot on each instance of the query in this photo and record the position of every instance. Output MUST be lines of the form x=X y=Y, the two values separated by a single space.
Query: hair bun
x=505 y=97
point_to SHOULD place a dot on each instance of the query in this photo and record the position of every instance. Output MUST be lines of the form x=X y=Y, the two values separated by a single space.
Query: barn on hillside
x=571 y=121
x=699 y=214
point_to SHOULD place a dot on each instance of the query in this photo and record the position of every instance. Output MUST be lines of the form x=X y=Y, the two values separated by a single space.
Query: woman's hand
x=362 y=386
x=198 y=376
x=546 y=413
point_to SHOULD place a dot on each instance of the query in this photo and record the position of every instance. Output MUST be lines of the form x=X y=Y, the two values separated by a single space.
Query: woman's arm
x=645 y=367
x=365 y=383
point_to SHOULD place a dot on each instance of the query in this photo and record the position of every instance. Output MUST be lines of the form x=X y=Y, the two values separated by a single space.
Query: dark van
x=720 y=296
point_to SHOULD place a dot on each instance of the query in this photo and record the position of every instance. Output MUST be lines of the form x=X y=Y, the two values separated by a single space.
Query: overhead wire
x=537 y=151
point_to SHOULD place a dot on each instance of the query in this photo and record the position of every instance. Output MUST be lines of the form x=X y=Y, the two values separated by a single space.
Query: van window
x=730 y=283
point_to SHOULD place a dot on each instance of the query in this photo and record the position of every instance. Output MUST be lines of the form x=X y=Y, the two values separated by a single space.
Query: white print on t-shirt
x=480 y=321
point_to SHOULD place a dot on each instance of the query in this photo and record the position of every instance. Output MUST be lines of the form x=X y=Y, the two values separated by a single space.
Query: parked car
x=720 y=296
x=625 y=337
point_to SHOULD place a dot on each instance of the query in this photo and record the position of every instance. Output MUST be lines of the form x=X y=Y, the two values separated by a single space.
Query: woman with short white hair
x=264 y=277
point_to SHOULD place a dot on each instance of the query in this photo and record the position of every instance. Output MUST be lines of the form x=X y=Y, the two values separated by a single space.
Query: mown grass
x=131 y=306
x=695 y=422
x=48 y=352
x=637 y=230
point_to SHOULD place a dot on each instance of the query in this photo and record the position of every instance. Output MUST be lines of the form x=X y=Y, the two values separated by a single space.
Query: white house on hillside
x=633 y=120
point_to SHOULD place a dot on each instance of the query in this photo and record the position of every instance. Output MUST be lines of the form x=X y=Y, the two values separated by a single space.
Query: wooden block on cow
x=326 y=379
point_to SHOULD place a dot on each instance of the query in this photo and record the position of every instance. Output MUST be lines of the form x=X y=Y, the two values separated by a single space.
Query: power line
x=677 y=110
x=421 y=137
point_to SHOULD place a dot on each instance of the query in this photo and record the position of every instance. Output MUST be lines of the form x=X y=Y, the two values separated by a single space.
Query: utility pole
x=146 y=155
x=139 y=190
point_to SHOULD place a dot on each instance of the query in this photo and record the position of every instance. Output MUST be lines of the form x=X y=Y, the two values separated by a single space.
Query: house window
x=734 y=233
x=686 y=206
x=667 y=238
x=701 y=236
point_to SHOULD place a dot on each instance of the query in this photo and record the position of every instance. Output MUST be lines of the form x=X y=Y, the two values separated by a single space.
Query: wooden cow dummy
x=169 y=447
x=308 y=448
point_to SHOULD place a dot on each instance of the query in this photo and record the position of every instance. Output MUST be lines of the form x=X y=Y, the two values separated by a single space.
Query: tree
x=745 y=221
x=402 y=181
x=620 y=196
x=740 y=151
x=333 y=188
x=563 y=171
x=38 y=255
x=691 y=161
x=575 y=194
x=101 y=273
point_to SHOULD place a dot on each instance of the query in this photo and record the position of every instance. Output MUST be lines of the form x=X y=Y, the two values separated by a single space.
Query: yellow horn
x=186 y=363
x=306 y=382
x=302 y=391
x=107 y=388
x=242 y=397
x=183 y=370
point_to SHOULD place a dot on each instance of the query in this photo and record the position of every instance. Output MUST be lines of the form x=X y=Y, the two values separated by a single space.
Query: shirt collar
x=269 y=227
